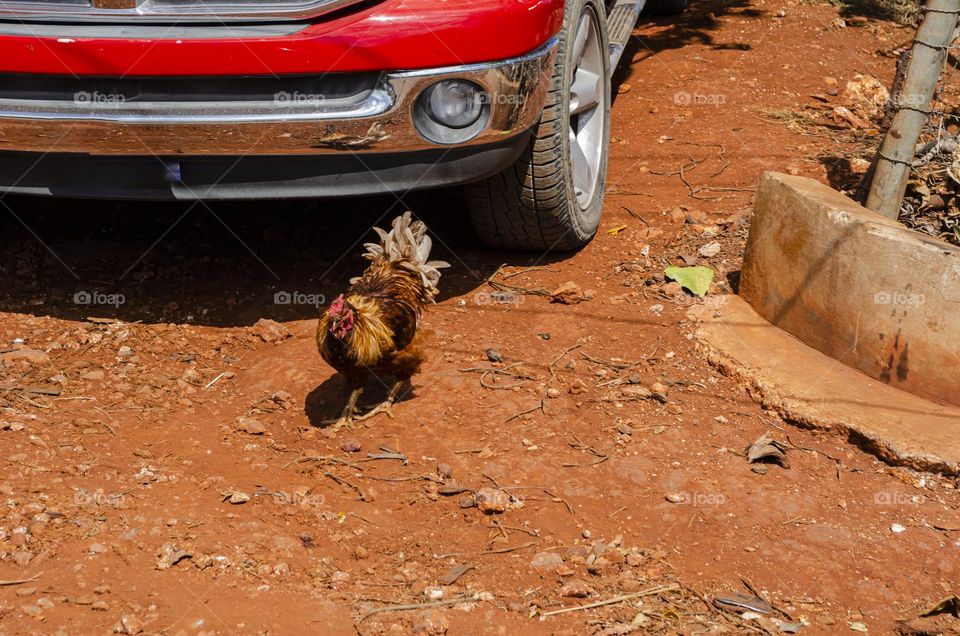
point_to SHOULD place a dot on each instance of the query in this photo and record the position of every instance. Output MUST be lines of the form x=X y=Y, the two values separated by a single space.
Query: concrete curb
x=856 y=286
x=813 y=390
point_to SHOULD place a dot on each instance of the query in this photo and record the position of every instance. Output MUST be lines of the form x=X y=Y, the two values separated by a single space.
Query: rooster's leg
x=349 y=411
x=384 y=407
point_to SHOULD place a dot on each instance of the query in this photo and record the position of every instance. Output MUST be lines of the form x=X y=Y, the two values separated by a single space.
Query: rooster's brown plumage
x=372 y=329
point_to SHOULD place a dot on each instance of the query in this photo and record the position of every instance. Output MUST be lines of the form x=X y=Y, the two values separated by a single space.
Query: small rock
x=553 y=393
x=492 y=500
x=546 y=561
x=636 y=392
x=897 y=528
x=430 y=622
x=251 y=426
x=93 y=375
x=169 y=556
x=360 y=553
x=624 y=429
x=129 y=624
x=709 y=250
x=124 y=352
x=351 y=446
x=675 y=497
x=444 y=471
x=658 y=391
x=576 y=588
x=100 y=606
x=568 y=294
x=97 y=548
x=30 y=356
x=22 y=558
x=270 y=330
x=493 y=355
x=236 y=497
x=468 y=501
x=586 y=534
x=577 y=387
x=31 y=610
x=760 y=469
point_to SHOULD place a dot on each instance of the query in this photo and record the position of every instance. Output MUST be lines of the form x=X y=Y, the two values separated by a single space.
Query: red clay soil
x=181 y=481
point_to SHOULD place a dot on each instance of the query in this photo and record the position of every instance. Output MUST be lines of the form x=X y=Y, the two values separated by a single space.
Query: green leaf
x=696 y=279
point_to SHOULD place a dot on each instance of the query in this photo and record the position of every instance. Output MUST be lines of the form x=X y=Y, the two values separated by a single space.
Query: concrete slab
x=814 y=390
x=856 y=286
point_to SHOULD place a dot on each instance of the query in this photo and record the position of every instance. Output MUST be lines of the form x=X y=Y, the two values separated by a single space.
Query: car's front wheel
x=552 y=198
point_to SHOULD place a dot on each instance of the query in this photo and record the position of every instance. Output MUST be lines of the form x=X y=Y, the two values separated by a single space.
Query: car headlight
x=451 y=111
x=454 y=103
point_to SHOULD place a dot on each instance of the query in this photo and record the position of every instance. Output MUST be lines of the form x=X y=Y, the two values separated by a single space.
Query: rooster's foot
x=383 y=407
x=345 y=422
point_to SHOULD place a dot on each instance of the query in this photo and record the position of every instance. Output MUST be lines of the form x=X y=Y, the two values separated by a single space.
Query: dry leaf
x=767 y=448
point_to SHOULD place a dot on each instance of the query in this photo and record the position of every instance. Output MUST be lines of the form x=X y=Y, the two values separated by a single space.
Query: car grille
x=134 y=11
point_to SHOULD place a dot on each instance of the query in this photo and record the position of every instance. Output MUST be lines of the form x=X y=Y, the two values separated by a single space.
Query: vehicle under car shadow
x=216 y=264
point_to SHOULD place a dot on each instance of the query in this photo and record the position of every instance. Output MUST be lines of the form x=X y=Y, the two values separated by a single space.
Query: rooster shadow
x=324 y=403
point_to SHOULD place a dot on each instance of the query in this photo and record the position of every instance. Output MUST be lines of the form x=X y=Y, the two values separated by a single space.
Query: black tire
x=533 y=205
x=665 y=7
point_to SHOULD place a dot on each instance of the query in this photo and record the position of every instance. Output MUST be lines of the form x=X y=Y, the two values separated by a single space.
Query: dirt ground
x=176 y=479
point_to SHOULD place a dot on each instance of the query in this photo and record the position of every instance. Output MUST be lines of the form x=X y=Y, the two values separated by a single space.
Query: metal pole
x=896 y=154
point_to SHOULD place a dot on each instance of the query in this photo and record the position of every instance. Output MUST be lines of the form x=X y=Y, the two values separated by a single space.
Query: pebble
x=709 y=250
x=430 y=622
x=350 y=446
x=251 y=425
x=31 y=610
x=553 y=392
x=444 y=471
x=897 y=528
x=576 y=588
x=468 y=501
x=493 y=355
x=577 y=387
x=546 y=561
x=129 y=624
x=100 y=606
x=492 y=500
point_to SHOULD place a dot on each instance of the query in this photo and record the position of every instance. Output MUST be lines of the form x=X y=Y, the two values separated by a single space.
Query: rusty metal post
x=896 y=154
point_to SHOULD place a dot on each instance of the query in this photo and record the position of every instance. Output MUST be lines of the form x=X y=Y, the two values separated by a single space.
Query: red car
x=246 y=99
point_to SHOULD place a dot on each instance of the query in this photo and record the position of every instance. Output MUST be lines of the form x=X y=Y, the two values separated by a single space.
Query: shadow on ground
x=221 y=264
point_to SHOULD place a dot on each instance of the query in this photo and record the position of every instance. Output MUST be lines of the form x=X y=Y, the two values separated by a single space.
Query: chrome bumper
x=381 y=122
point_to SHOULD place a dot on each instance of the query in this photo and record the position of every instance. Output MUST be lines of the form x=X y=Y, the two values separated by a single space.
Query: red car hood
x=390 y=35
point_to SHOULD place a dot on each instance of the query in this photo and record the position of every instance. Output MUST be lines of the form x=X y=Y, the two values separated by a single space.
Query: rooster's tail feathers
x=408 y=245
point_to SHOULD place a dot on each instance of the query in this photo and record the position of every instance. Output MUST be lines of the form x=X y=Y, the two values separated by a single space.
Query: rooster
x=372 y=329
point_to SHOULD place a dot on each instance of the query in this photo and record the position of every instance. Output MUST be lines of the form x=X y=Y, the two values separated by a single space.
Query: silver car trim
x=516 y=91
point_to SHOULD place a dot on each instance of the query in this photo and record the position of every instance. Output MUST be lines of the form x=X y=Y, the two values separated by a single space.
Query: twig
x=416 y=606
x=540 y=268
x=215 y=380
x=344 y=482
x=37 y=390
x=538 y=407
x=20 y=581
x=561 y=356
x=510 y=549
x=561 y=500
x=753 y=590
x=321 y=459
x=616 y=599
